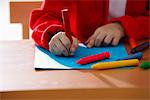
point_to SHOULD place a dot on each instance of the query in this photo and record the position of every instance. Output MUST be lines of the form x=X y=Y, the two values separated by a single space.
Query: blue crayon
x=133 y=56
x=140 y=47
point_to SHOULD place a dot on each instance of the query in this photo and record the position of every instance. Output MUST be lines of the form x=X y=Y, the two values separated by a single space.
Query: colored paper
x=46 y=60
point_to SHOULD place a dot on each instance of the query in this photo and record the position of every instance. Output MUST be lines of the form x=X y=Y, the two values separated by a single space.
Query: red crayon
x=93 y=58
x=66 y=22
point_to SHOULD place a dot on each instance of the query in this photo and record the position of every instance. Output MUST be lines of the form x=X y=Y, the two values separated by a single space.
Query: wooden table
x=19 y=80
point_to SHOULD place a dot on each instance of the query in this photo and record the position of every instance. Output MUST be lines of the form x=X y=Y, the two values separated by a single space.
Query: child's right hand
x=60 y=45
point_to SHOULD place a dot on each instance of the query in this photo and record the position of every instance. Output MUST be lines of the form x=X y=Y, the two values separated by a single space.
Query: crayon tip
x=107 y=54
x=79 y=61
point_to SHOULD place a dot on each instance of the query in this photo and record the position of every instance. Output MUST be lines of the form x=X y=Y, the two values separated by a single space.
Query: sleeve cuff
x=128 y=24
x=49 y=33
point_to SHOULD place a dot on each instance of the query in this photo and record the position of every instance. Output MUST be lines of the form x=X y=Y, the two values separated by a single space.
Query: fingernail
x=89 y=46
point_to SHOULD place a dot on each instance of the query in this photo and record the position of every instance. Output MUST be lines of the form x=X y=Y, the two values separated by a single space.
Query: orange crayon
x=132 y=43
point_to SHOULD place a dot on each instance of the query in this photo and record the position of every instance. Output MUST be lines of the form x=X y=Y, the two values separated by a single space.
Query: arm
x=136 y=26
x=45 y=24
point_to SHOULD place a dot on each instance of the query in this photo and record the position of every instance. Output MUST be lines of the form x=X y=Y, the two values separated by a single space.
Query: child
x=93 y=22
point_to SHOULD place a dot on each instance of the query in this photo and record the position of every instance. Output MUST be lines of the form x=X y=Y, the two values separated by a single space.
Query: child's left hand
x=105 y=35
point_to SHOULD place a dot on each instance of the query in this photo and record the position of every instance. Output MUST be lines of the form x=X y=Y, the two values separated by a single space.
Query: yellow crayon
x=116 y=64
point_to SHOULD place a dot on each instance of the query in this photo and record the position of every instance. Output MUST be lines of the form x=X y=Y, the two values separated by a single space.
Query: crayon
x=132 y=43
x=145 y=65
x=66 y=23
x=140 y=47
x=133 y=56
x=93 y=58
x=116 y=64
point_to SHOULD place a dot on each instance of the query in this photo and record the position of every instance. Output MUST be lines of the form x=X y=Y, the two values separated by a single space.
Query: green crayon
x=145 y=65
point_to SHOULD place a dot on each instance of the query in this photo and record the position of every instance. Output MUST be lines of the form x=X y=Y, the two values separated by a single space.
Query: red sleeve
x=135 y=27
x=45 y=24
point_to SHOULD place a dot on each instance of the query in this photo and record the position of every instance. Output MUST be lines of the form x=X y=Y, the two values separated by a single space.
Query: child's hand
x=105 y=35
x=60 y=45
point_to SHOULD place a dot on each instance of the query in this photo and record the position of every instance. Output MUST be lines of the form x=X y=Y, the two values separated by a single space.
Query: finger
x=54 y=50
x=87 y=41
x=92 y=37
x=50 y=49
x=61 y=48
x=75 y=43
x=74 y=46
x=99 y=39
x=115 y=41
x=52 y=46
x=90 y=44
x=56 y=47
x=108 y=39
x=65 y=41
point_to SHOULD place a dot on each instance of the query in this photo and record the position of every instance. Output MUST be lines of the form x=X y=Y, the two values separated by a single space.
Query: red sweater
x=85 y=17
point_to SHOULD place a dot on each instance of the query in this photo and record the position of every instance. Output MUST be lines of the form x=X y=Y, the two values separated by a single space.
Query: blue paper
x=116 y=52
